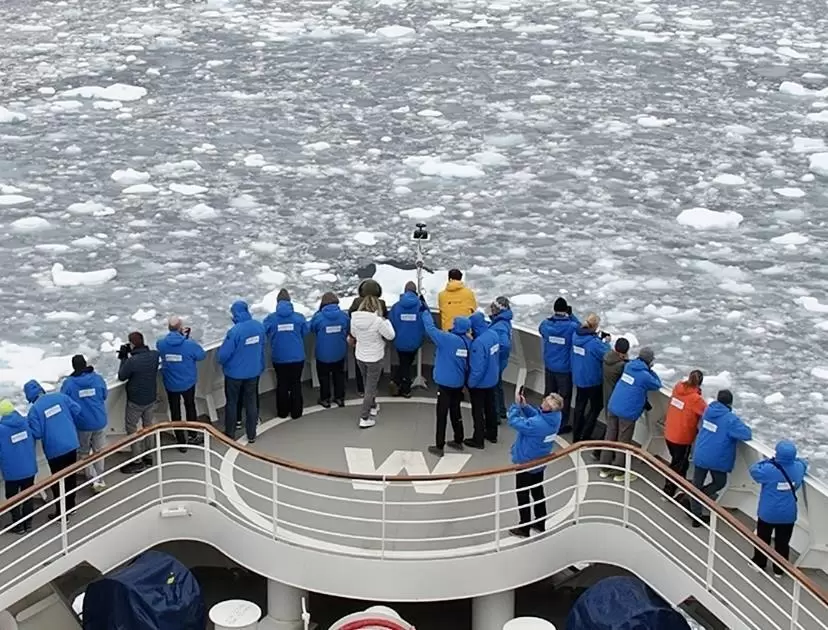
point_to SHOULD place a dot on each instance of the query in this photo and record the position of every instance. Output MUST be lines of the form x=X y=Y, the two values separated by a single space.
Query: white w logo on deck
x=361 y=462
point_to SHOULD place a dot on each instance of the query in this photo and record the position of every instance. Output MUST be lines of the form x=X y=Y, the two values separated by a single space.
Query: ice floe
x=130 y=177
x=396 y=31
x=114 y=92
x=728 y=179
x=791 y=193
x=705 y=219
x=819 y=164
x=14 y=200
x=63 y=278
x=30 y=224
x=791 y=238
x=92 y=208
x=202 y=212
x=8 y=116
x=527 y=299
x=140 y=189
x=188 y=189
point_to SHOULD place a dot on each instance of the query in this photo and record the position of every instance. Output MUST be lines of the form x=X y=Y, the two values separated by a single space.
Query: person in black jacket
x=139 y=368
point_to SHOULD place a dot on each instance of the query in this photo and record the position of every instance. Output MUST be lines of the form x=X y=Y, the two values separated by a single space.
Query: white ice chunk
x=8 y=116
x=528 y=299
x=795 y=89
x=67 y=316
x=188 y=189
x=14 y=200
x=24 y=363
x=422 y=213
x=254 y=159
x=653 y=122
x=88 y=242
x=107 y=105
x=723 y=272
x=366 y=238
x=774 y=399
x=450 y=169
x=143 y=316
x=820 y=117
x=270 y=276
x=791 y=238
x=811 y=304
x=808 y=145
x=704 y=219
x=202 y=212
x=728 y=179
x=63 y=278
x=740 y=288
x=819 y=164
x=430 y=113
x=671 y=312
x=820 y=372
x=176 y=169
x=30 y=224
x=90 y=208
x=139 y=189
x=129 y=177
x=114 y=92
x=490 y=158
x=791 y=193
x=396 y=31
x=722 y=380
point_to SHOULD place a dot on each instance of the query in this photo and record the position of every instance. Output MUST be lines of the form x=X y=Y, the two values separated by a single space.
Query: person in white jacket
x=370 y=330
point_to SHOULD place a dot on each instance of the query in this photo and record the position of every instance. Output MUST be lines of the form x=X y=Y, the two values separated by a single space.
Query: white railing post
x=160 y=475
x=579 y=464
x=382 y=549
x=627 y=472
x=64 y=528
x=797 y=592
x=209 y=490
x=274 y=472
x=497 y=513
x=711 y=550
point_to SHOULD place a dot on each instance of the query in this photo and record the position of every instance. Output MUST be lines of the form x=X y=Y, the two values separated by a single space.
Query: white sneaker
x=366 y=423
x=98 y=486
x=606 y=474
x=375 y=410
x=622 y=477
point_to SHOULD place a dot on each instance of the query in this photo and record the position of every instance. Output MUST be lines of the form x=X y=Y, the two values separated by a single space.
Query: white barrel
x=528 y=623
x=383 y=610
x=235 y=614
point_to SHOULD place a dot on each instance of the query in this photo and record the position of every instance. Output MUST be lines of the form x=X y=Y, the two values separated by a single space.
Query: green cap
x=6 y=407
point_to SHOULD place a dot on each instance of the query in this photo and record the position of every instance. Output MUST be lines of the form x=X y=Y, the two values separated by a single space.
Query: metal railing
x=445 y=515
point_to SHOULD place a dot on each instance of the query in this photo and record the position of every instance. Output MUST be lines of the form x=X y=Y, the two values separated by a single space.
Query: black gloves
x=648 y=406
x=123 y=352
x=423 y=305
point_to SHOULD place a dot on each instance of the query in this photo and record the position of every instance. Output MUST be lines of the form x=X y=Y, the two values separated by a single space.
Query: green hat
x=6 y=407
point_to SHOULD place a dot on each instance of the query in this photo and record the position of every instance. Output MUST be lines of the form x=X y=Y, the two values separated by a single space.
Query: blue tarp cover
x=154 y=592
x=623 y=603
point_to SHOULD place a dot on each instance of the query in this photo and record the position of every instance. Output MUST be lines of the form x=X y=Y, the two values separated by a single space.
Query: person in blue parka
x=451 y=369
x=18 y=463
x=536 y=429
x=484 y=373
x=87 y=388
x=556 y=338
x=179 y=370
x=501 y=317
x=330 y=325
x=242 y=357
x=588 y=350
x=626 y=404
x=781 y=476
x=714 y=452
x=53 y=419
x=408 y=326
x=286 y=330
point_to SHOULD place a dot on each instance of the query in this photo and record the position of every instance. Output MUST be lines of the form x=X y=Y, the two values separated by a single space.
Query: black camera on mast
x=421 y=234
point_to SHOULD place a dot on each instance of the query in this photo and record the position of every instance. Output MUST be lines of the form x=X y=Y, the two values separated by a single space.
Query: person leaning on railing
x=536 y=430
x=368 y=287
x=484 y=372
x=408 y=338
x=781 y=476
x=681 y=424
x=286 y=330
x=500 y=312
x=331 y=325
x=556 y=338
x=588 y=350
x=370 y=330
x=18 y=463
x=139 y=368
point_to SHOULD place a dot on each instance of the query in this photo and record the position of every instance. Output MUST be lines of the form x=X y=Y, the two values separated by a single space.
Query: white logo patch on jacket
x=408 y=317
x=579 y=351
x=560 y=341
x=19 y=437
x=52 y=411
x=462 y=352
x=86 y=393
x=251 y=341
x=284 y=327
x=330 y=330
x=709 y=426
x=678 y=404
x=173 y=358
x=783 y=486
x=629 y=380
x=494 y=349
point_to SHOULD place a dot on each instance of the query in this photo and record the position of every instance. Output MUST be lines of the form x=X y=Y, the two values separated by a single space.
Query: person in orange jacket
x=456 y=300
x=682 y=424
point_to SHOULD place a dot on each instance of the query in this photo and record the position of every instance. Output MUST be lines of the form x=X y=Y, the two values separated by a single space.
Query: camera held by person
x=124 y=352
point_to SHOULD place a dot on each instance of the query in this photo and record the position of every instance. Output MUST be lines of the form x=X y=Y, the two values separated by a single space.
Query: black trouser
x=484 y=414
x=190 y=413
x=242 y=397
x=679 y=461
x=56 y=464
x=585 y=420
x=289 y=389
x=331 y=371
x=20 y=513
x=781 y=541
x=560 y=383
x=523 y=481
x=448 y=403
x=402 y=376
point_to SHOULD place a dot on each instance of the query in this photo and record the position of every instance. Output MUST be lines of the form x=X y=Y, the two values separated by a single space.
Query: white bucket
x=235 y=614
x=528 y=623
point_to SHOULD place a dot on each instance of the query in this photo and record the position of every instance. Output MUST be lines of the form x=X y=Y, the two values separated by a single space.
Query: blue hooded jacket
x=484 y=359
x=330 y=324
x=286 y=330
x=241 y=354
x=720 y=432
x=179 y=356
x=536 y=431
x=588 y=358
x=451 y=361
x=17 y=448
x=777 y=501
x=88 y=389
x=556 y=333
x=502 y=325
x=630 y=393
x=408 y=326
x=53 y=419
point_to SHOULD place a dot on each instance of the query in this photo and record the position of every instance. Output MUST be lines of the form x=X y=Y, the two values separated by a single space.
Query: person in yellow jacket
x=456 y=300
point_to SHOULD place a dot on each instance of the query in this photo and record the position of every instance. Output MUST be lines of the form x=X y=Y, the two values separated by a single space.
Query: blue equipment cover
x=623 y=603
x=154 y=592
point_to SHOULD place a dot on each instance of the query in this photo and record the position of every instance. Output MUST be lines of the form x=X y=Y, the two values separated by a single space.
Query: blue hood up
x=503 y=316
x=240 y=312
x=32 y=389
x=331 y=311
x=462 y=326
x=284 y=308
x=478 y=323
x=409 y=299
x=14 y=421
x=785 y=452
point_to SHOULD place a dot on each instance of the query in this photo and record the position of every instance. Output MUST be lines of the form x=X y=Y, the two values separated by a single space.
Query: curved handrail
x=688 y=488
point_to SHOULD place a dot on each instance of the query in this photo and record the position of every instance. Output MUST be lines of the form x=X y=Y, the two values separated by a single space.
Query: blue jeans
x=718 y=481
x=500 y=402
x=242 y=396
